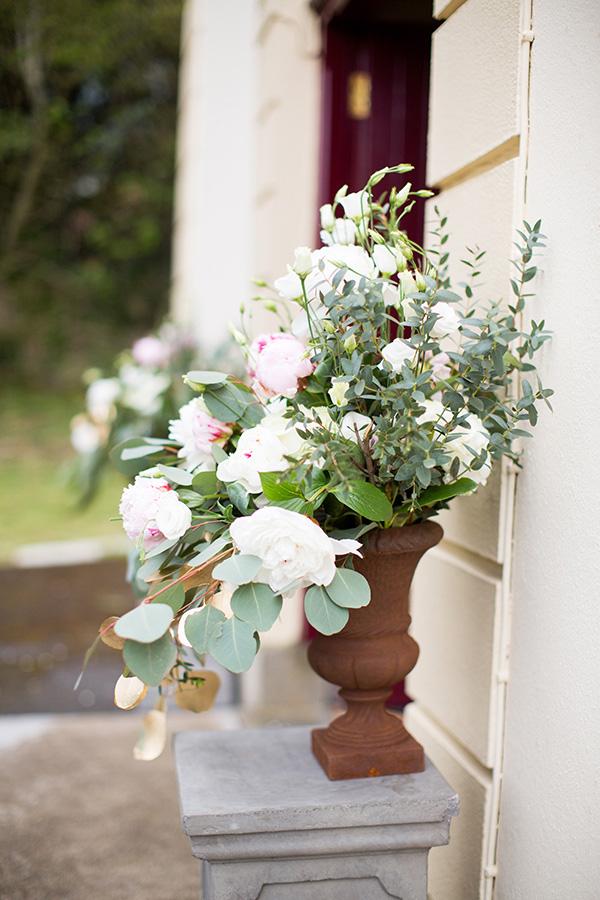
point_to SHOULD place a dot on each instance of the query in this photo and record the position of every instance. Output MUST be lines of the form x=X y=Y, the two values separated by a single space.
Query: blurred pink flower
x=280 y=361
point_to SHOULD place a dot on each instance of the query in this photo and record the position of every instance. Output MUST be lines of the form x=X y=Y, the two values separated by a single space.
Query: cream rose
x=173 y=517
x=291 y=546
x=258 y=450
x=447 y=321
x=397 y=354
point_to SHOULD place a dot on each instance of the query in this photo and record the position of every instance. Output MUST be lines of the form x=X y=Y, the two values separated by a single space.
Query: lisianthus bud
x=419 y=280
x=400 y=261
x=327 y=217
x=236 y=335
x=385 y=260
x=338 y=393
x=302 y=262
x=407 y=283
x=403 y=194
x=328 y=326
x=350 y=344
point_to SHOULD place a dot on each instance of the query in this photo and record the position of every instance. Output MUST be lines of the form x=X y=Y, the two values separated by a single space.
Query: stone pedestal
x=267 y=823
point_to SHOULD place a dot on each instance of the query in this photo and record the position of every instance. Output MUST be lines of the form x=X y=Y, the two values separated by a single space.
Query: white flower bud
x=403 y=194
x=302 y=262
x=327 y=217
x=338 y=393
x=384 y=259
x=419 y=280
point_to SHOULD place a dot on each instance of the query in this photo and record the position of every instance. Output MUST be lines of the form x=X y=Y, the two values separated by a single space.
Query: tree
x=87 y=131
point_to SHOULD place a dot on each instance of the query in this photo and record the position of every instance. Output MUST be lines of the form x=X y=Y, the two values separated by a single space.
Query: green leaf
x=199 y=379
x=177 y=476
x=287 y=490
x=132 y=465
x=213 y=549
x=256 y=604
x=322 y=613
x=297 y=504
x=146 y=623
x=446 y=491
x=238 y=569
x=151 y=662
x=173 y=595
x=365 y=499
x=236 y=646
x=239 y=496
x=349 y=589
x=218 y=453
x=202 y=625
x=231 y=403
x=205 y=483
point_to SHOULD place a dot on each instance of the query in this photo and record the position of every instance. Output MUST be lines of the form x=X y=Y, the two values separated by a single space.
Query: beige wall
x=247 y=154
x=461 y=597
x=508 y=620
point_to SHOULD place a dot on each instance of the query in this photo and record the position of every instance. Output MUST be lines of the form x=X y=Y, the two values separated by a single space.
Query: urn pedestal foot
x=339 y=762
x=367 y=740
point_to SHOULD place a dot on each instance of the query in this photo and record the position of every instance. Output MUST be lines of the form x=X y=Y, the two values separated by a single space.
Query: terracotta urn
x=371 y=654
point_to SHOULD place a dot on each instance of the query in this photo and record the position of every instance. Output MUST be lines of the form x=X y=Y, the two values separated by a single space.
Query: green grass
x=36 y=502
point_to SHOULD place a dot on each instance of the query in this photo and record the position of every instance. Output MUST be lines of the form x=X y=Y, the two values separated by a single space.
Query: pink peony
x=196 y=431
x=440 y=365
x=281 y=361
x=151 y=351
x=147 y=500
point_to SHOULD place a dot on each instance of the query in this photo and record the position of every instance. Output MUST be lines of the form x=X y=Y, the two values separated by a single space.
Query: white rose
x=300 y=327
x=289 y=286
x=344 y=231
x=466 y=442
x=302 y=262
x=173 y=517
x=285 y=430
x=356 y=205
x=353 y=422
x=292 y=548
x=434 y=412
x=355 y=258
x=100 y=398
x=385 y=259
x=447 y=321
x=397 y=354
x=85 y=436
x=258 y=450
x=142 y=389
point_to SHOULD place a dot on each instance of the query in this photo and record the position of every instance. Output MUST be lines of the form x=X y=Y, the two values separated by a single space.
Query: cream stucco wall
x=508 y=617
x=247 y=155
x=550 y=814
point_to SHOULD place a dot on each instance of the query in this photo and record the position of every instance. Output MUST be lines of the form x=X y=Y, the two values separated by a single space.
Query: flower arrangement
x=384 y=397
x=138 y=400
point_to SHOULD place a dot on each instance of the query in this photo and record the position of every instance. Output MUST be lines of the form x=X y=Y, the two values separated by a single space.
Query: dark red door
x=375 y=98
x=375 y=94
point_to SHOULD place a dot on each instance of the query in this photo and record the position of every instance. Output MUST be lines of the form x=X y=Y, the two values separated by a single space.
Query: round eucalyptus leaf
x=146 y=623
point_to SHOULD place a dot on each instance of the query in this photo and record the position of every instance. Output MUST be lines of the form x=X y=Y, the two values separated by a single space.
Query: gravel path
x=80 y=820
